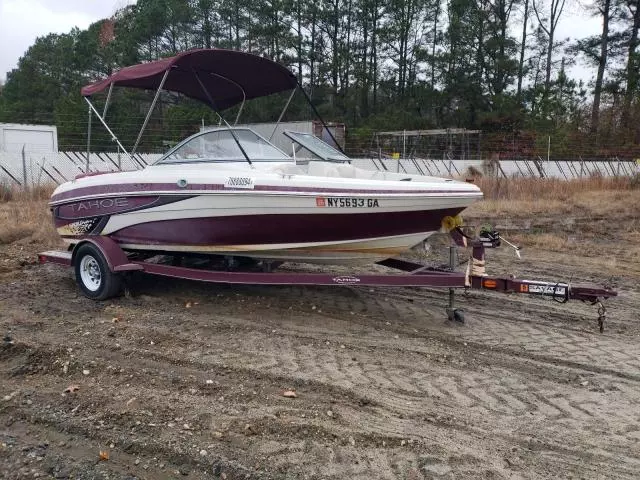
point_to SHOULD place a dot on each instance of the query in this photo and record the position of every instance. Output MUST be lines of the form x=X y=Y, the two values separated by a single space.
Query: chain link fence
x=32 y=169
x=37 y=168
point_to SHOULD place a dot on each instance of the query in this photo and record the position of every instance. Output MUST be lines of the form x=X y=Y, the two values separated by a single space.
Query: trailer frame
x=118 y=263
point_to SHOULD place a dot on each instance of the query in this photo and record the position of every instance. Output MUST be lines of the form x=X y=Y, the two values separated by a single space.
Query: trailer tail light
x=489 y=284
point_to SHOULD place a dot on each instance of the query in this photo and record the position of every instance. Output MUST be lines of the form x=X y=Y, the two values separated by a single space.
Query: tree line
x=494 y=65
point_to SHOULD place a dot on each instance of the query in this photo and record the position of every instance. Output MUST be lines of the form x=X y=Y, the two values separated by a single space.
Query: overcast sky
x=21 y=21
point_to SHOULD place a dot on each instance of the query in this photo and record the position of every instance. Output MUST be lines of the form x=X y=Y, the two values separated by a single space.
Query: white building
x=33 y=138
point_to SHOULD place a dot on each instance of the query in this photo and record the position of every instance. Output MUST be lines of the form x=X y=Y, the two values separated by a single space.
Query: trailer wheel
x=93 y=275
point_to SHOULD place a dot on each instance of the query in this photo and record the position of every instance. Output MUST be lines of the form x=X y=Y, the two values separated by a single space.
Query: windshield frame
x=164 y=159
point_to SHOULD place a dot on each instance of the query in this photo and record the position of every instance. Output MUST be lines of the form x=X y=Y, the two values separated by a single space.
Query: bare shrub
x=473 y=172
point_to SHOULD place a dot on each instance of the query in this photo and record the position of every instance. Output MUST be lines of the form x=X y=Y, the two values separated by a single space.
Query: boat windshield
x=317 y=146
x=220 y=146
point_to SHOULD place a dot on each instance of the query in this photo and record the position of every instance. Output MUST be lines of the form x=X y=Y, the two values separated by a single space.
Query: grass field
x=26 y=216
x=531 y=196
x=555 y=215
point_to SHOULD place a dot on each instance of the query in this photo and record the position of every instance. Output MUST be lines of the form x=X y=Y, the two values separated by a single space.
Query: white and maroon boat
x=228 y=191
x=241 y=206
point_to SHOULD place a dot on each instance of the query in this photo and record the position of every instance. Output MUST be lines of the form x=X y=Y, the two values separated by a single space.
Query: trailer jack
x=602 y=315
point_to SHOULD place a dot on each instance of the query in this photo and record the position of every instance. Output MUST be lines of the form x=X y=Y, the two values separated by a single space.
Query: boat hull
x=278 y=217
x=296 y=228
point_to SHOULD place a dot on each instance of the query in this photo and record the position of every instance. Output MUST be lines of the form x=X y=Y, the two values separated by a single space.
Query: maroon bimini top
x=229 y=76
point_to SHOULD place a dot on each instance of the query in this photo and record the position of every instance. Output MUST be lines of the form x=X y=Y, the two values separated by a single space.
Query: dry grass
x=550 y=188
x=556 y=242
x=594 y=196
x=25 y=216
x=614 y=258
x=573 y=217
x=10 y=193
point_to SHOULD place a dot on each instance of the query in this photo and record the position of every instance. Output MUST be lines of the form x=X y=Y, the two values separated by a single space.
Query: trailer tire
x=93 y=275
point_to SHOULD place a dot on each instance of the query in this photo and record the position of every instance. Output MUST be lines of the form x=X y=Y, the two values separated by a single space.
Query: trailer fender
x=115 y=256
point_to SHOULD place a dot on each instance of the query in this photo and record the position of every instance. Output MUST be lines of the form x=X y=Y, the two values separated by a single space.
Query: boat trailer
x=100 y=266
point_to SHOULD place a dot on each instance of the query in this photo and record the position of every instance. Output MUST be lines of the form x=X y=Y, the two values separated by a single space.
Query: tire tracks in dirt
x=410 y=396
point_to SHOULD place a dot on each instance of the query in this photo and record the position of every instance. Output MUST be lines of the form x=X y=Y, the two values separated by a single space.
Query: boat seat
x=289 y=169
x=342 y=170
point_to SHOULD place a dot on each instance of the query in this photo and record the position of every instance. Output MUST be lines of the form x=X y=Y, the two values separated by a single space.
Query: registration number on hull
x=239 y=182
x=347 y=202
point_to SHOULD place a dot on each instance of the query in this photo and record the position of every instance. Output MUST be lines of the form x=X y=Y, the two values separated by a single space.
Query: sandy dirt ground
x=186 y=380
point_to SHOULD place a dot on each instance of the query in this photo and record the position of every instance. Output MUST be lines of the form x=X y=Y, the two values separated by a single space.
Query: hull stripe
x=159 y=188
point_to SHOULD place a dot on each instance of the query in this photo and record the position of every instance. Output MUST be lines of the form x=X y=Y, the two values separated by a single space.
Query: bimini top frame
x=217 y=77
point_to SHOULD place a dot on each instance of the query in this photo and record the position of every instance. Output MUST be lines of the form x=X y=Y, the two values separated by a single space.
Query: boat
x=228 y=191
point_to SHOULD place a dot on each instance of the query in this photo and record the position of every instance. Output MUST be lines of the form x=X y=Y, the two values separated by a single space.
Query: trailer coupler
x=557 y=291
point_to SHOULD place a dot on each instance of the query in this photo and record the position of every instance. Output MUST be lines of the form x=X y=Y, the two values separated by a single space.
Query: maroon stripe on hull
x=127 y=188
x=268 y=229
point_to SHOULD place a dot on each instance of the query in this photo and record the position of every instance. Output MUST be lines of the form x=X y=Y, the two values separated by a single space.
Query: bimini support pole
x=113 y=137
x=106 y=104
x=315 y=110
x=86 y=170
x=244 y=98
x=282 y=113
x=213 y=107
x=244 y=95
x=153 y=104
